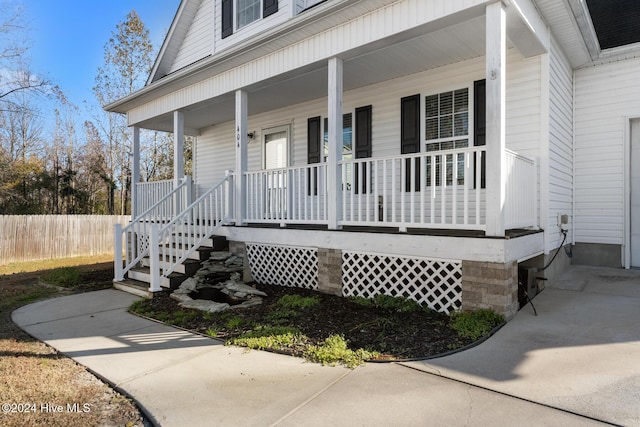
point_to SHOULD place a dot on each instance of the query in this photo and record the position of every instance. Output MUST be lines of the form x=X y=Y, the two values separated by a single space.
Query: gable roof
x=175 y=37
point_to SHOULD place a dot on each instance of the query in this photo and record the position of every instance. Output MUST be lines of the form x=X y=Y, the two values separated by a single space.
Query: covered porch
x=446 y=183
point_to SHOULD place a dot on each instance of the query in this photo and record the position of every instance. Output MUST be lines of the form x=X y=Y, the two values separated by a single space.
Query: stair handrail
x=136 y=232
x=213 y=206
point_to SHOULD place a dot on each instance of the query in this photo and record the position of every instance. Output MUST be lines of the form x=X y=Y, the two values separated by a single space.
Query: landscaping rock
x=210 y=276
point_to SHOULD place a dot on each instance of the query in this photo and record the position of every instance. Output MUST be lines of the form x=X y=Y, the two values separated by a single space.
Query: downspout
x=573 y=158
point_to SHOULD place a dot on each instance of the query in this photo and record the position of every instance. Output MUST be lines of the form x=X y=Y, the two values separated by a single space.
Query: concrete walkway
x=579 y=355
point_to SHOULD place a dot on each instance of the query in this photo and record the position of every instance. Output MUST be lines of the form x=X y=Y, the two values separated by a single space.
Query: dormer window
x=246 y=12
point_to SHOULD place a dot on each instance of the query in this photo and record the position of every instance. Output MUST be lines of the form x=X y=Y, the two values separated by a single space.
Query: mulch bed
x=395 y=335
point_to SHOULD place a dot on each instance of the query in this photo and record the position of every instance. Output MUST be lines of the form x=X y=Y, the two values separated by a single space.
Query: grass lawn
x=34 y=376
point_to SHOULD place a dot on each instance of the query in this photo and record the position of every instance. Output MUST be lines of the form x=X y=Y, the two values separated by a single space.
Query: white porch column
x=135 y=170
x=334 y=179
x=178 y=146
x=496 y=88
x=241 y=156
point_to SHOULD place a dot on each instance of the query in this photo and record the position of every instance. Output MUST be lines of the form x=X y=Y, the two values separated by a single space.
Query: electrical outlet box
x=563 y=219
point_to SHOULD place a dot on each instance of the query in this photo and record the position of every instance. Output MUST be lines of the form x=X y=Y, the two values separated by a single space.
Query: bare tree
x=16 y=76
x=127 y=62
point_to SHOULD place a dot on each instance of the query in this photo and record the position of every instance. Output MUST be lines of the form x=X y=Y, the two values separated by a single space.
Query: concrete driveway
x=581 y=353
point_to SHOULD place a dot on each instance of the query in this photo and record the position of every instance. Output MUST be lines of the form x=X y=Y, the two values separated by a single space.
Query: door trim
x=626 y=245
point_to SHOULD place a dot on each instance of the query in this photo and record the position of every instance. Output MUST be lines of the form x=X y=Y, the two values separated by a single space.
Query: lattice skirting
x=435 y=283
x=283 y=265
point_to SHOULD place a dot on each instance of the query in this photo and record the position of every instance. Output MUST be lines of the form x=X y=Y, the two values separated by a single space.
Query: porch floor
x=509 y=234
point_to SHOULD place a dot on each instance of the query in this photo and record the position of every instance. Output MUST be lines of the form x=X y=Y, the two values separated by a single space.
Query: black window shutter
x=410 y=137
x=269 y=7
x=363 y=132
x=314 y=151
x=480 y=112
x=227 y=18
x=480 y=125
x=362 y=148
x=410 y=129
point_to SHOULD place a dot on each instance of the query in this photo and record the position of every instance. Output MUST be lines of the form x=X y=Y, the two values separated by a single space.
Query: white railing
x=438 y=189
x=521 y=192
x=294 y=195
x=136 y=234
x=149 y=193
x=174 y=242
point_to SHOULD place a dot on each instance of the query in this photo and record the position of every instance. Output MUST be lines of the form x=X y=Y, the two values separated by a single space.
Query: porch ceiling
x=423 y=48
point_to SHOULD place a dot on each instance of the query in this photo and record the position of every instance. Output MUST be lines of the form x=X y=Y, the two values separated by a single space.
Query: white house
x=422 y=148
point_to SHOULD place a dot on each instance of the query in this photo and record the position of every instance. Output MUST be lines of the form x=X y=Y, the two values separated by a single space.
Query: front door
x=276 y=156
x=635 y=193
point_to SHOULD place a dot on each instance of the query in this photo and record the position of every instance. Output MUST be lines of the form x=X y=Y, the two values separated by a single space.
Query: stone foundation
x=490 y=285
x=330 y=271
x=240 y=249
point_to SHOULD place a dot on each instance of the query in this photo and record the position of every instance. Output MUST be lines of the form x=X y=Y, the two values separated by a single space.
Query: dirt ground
x=36 y=380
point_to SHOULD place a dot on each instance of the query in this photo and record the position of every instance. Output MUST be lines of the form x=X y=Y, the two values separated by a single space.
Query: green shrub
x=286 y=308
x=66 y=277
x=234 y=322
x=138 y=307
x=386 y=302
x=281 y=316
x=475 y=324
x=334 y=350
x=181 y=317
x=364 y=302
x=293 y=302
x=269 y=337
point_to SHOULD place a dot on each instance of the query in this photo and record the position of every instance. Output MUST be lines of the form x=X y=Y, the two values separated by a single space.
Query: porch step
x=218 y=243
x=200 y=254
x=134 y=287
x=143 y=274
x=188 y=267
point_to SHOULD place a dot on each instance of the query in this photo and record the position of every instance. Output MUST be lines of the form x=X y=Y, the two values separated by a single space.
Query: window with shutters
x=356 y=143
x=237 y=14
x=347 y=137
x=447 y=128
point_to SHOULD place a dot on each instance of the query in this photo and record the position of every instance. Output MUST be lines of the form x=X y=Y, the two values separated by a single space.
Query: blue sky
x=67 y=37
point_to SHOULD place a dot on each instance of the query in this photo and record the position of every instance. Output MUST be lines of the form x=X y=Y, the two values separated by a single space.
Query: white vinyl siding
x=198 y=43
x=604 y=96
x=215 y=146
x=326 y=43
x=560 y=142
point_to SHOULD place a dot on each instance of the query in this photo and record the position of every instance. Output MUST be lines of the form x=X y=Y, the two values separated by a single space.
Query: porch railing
x=149 y=193
x=438 y=189
x=174 y=242
x=135 y=235
x=294 y=195
x=521 y=198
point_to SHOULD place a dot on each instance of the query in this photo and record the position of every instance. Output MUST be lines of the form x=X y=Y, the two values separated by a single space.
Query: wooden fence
x=37 y=237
